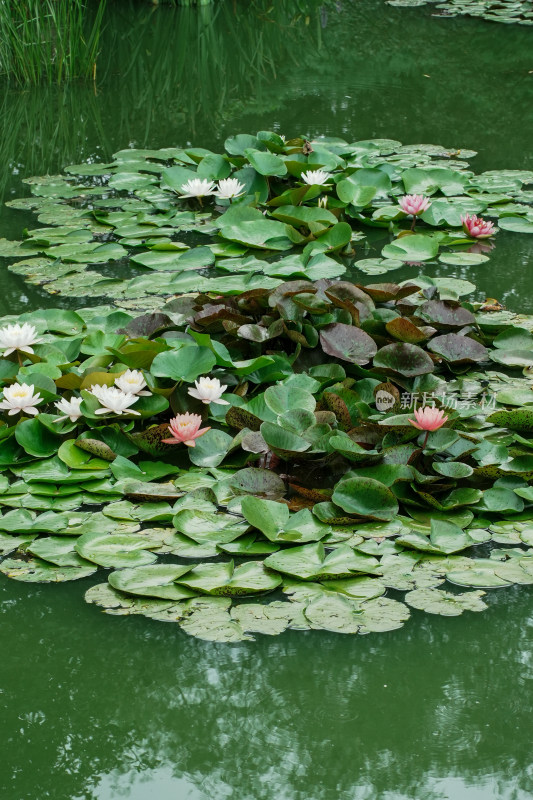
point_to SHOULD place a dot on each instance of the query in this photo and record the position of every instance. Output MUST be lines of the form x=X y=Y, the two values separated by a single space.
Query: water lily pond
x=266 y=455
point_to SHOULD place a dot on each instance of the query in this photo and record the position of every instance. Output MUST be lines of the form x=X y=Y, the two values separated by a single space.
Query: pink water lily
x=185 y=428
x=414 y=204
x=428 y=418
x=476 y=227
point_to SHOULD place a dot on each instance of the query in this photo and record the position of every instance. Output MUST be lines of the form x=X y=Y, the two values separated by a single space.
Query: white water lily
x=209 y=390
x=316 y=177
x=132 y=382
x=323 y=202
x=197 y=187
x=113 y=400
x=230 y=187
x=18 y=337
x=69 y=408
x=20 y=397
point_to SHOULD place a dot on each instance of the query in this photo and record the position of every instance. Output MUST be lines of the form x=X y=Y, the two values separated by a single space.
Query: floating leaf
x=310 y=562
x=114 y=549
x=347 y=343
x=403 y=359
x=365 y=497
x=36 y=571
x=156 y=580
x=225 y=579
x=435 y=601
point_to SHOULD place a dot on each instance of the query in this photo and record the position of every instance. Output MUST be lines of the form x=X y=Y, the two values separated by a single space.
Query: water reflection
x=195 y=75
x=187 y=75
x=125 y=707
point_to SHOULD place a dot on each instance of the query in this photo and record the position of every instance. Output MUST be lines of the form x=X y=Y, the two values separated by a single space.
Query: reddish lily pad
x=446 y=314
x=347 y=343
x=458 y=349
x=403 y=359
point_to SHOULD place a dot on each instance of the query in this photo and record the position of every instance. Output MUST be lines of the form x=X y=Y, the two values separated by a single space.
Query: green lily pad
x=209 y=527
x=365 y=497
x=114 y=549
x=154 y=580
x=225 y=579
x=36 y=571
x=411 y=248
x=310 y=562
x=436 y=601
x=58 y=550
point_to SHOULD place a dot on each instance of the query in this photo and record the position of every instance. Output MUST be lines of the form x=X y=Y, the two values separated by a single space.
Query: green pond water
x=93 y=707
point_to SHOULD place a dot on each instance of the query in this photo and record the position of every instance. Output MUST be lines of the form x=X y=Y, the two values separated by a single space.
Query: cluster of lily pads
x=151 y=224
x=301 y=482
x=506 y=11
x=256 y=431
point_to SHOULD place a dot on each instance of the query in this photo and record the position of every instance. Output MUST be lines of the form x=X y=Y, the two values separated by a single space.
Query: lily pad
x=436 y=601
x=225 y=579
x=34 y=570
x=114 y=550
x=157 y=580
x=310 y=562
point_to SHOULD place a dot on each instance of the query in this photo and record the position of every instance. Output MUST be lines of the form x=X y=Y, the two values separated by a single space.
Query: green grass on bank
x=50 y=40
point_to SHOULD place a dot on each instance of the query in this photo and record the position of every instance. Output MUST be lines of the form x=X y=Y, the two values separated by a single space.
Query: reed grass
x=50 y=40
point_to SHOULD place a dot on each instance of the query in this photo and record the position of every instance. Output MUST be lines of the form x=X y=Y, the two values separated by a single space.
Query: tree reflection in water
x=92 y=704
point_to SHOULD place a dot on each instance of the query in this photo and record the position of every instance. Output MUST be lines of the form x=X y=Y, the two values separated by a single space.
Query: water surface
x=96 y=707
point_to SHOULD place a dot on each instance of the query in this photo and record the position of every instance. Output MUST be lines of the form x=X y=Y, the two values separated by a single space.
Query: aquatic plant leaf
x=9 y=543
x=58 y=550
x=208 y=618
x=285 y=397
x=209 y=527
x=270 y=619
x=114 y=549
x=227 y=580
x=36 y=439
x=278 y=525
x=340 y=614
x=282 y=441
x=36 y=571
x=458 y=349
x=249 y=545
x=265 y=163
x=453 y=469
x=519 y=419
x=445 y=314
x=347 y=343
x=480 y=572
x=513 y=358
x=404 y=359
x=211 y=448
x=155 y=580
x=259 y=233
x=359 y=589
x=516 y=224
x=185 y=364
x=310 y=562
x=365 y=497
x=445 y=538
x=436 y=601
x=411 y=248
x=503 y=501
x=257 y=482
x=406 y=331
